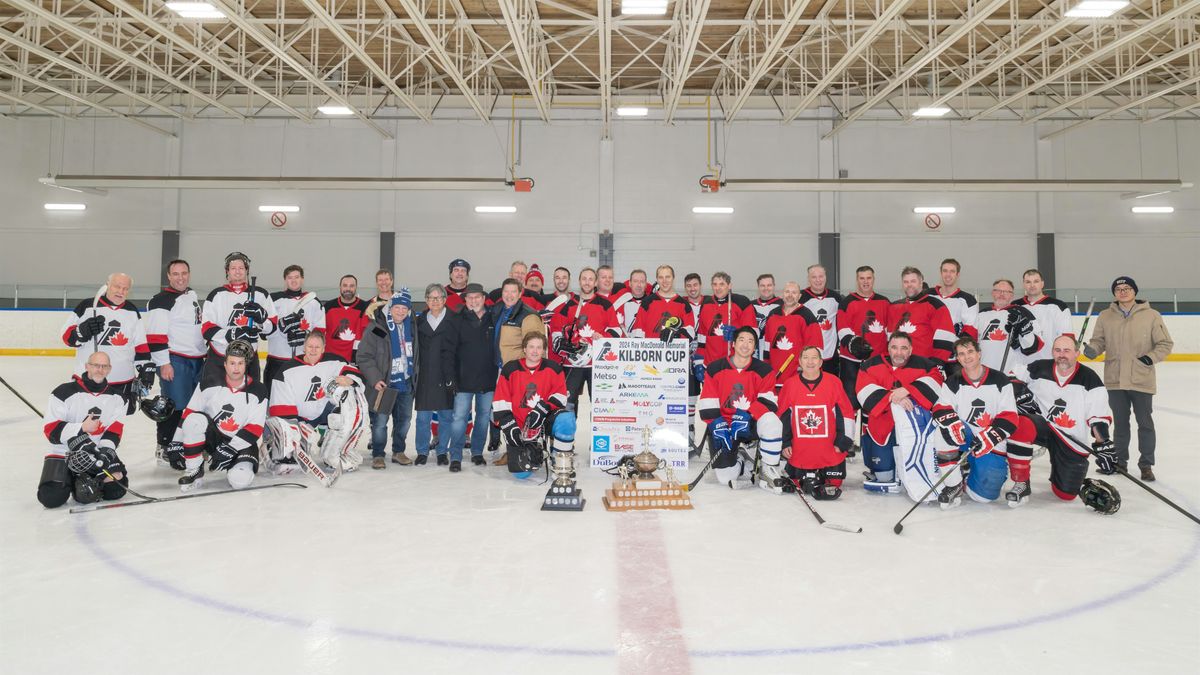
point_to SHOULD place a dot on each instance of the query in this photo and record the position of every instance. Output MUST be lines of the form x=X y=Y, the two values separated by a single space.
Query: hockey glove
x=145 y=374
x=1089 y=351
x=843 y=443
x=1106 y=457
x=1146 y=360
x=175 y=456
x=222 y=457
x=950 y=425
x=248 y=333
x=1025 y=401
x=112 y=464
x=296 y=338
x=92 y=327
x=83 y=457
x=291 y=322
x=859 y=348
x=1100 y=431
x=255 y=313
x=537 y=415
x=740 y=426
x=670 y=329
x=985 y=441
x=722 y=435
x=512 y=434
x=699 y=371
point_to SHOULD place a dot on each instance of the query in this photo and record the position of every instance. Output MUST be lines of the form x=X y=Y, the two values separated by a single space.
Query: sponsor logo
x=628 y=372
x=614 y=418
x=642 y=385
x=623 y=447
x=682 y=380
x=676 y=409
x=600 y=443
x=604 y=386
x=675 y=370
x=603 y=376
x=644 y=404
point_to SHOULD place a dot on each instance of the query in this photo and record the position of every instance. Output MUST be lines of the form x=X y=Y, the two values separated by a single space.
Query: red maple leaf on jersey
x=241 y=320
x=984 y=421
x=118 y=339
x=826 y=324
x=320 y=394
x=229 y=424
x=997 y=335
x=1064 y=420
x=304 y=325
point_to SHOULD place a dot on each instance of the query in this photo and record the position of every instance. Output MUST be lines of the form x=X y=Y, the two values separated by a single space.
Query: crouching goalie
x=317 y=413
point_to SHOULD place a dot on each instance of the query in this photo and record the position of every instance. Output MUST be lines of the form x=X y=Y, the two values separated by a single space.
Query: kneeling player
x=898 y=379
x=531 y=399
x=1074 y=422
x=224 y=418
x=979 y=399
x=817 y=417
x=317 y=410
x=83 y=425
x=738 y=403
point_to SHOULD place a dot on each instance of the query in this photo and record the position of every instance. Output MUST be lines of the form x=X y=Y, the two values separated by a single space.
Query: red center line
x=650 y=635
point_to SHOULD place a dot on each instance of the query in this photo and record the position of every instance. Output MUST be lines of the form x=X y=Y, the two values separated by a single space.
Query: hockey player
x=552 y=303
x=347 y=318
x=762 y=305
x=574 y=328
x=694 y=294
x=1006 y=326
x=309 y=413
x=816 y=417
x=296 y=320
x=823 y=303
x=177 y=346
x=902 y=378
x=923 y=317
x=236 y=312
x=862 y=319
x=738 y=404
x=224 y=418
x=113 y=325
x=530 y=401
x=963 y=306
x=83 y=425
x=979 y=399
x=562 y=281
x=1052 y=316
x=664 y=314
x=789 y=328
x=719 y=316
x=627 y=301
x=460 y=276
x=1068 y=414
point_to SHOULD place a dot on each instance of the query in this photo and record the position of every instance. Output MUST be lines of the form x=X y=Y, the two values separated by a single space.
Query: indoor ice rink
x=440 y=138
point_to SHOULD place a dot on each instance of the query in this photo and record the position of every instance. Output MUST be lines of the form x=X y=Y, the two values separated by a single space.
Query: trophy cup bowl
x=646 y=463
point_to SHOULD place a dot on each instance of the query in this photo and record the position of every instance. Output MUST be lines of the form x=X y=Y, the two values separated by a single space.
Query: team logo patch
x=1058 y=414
x=316 y=391
x=225 y=421
x=811 y=421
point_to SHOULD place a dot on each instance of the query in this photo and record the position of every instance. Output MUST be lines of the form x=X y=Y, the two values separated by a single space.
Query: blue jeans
x=187 y=376
x=462 y=411
x=445 y=421
x=401 y=417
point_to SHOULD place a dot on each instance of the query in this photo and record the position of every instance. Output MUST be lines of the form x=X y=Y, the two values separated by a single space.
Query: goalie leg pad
x=337 y=447
x=114 y=489
x=728 y=475
x=54 y=488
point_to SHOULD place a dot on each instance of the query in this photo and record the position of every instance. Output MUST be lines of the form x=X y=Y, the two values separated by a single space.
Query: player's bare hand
x=90 y=425
x=787 y=452
x=166 y=373
x=344 y=381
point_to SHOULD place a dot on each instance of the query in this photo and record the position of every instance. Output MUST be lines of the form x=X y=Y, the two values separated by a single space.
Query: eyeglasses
x=431 y=298
x=1124 y=289
x=101 y=366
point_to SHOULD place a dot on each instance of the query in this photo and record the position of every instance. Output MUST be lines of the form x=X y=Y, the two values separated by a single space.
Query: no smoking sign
x=278 y=219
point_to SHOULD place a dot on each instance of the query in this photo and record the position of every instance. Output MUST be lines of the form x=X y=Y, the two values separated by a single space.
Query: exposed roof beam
x=12 y=72
x=853 y=53
x=768 y=56
x=34 y=106
x=604 y=10
x=689 y=16
x=521 y=19
x=1172 y=113
x=1071 y=66
x=447 y=62
x=947 y=39
x=1122 y=108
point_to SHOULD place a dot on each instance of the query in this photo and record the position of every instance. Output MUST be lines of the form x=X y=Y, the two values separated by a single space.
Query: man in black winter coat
x=476 y=375
x=436 y=332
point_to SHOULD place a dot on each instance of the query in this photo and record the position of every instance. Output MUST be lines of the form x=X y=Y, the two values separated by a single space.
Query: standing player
x=346 y=318
x=1051 y=316
x=719 y=316
x=1070 y=417
x=762 y=306
x=738 y=404
x=177 y=346
x=225 y=418
x=979 y=399
x=460 y=276
x=823 y=303
x=236 y=312
x=627 y=301
x=574 y=328
x=963 y=306
x=816 y=417
x=296 y=321
x=902 y=378
x=862 y=326
x=83 y=426
x=694 y=293
x=664 y=314
x=923 y=318
x=789 y=328
x=113 y=325
x=1006 y=326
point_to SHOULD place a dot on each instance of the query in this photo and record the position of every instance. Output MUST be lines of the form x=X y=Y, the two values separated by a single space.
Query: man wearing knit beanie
x=1133 y=337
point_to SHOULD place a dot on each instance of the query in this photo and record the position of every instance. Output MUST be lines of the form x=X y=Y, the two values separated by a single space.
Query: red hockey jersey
x=727 y=390
x=815 y=415
x=866 y=318
x=876 y=380
x=927 y=321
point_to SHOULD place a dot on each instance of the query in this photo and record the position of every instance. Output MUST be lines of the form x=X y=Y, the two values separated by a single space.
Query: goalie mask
x=242 y=349
x=158 y=408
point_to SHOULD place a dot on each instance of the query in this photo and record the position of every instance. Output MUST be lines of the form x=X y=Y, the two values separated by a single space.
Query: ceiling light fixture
x=335 y=110
x=495 y=209
x=1096 y=9
x=712 y=209
x=1153 y=209
x=644 y=7
x=931 y=112
x=632 y=111
x=65 y=207
x=934 y=209
x=265 y=208
x=195 y=10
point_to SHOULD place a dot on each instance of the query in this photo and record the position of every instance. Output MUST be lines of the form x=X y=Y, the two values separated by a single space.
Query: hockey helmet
x=1101 y=496
x=158 y=408
x=237 y=255
x=240 y=348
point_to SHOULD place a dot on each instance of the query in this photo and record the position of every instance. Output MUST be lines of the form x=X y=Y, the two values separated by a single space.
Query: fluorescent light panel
x=934 y=209
x=495 y=209
x=632 y=111
x=931 y=112
x=1153 y=209
x=334 y=110
x=712 y=209
x=65 y=207
x=1096 y=9
x=266 y=208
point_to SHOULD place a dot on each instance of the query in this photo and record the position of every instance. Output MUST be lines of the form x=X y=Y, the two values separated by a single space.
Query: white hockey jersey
x=312 y=317
x=299 y=389
x=963 y=307
x=225 y=308
x=69 y=407
x=123 y=338
x=987 y=403
x=825 y=308
x=1053 y=319
x=173 y=326
x=992 y=328
x=238 y=414
x=1071 y=404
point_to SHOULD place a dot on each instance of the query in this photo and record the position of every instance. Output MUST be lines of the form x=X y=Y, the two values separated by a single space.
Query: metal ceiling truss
x=138 y=61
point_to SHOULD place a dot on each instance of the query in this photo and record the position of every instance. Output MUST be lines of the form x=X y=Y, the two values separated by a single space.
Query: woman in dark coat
x=434 y=353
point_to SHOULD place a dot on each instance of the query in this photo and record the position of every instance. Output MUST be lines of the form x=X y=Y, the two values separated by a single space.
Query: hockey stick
x=899 y=527
x=156 y=500
x=95 y=312
x=820 y=520
x=18 y=395
x=1087 y=319
x=298 y=307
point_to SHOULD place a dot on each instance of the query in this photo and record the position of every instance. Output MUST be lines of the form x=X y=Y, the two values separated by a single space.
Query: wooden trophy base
x=646 y=495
